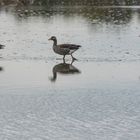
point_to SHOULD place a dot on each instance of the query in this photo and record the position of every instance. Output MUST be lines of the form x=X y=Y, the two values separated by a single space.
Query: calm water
x=97 y=97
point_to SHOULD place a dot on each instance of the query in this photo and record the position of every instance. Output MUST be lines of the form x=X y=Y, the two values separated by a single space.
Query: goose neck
x=55 y=43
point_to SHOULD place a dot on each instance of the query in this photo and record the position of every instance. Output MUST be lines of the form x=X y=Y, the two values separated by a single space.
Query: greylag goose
x=63 y=68
x=64 y=49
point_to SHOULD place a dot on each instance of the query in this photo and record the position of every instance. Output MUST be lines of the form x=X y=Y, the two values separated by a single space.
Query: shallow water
x=106 y=34
x=97 y=97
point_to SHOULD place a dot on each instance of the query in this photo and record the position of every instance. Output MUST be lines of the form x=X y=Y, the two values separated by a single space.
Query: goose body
x=64 y=49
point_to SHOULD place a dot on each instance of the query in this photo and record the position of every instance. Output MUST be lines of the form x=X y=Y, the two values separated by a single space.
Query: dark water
x=71 y=2
x=96 y=97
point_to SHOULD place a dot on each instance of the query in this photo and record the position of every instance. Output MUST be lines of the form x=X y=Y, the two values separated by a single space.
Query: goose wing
x=69 y=46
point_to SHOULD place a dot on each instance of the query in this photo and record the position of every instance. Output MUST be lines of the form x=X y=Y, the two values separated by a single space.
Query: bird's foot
x=74 y=59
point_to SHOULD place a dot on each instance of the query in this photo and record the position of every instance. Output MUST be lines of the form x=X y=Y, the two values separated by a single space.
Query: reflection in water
x=63 y=68
x=70 y=2
x=116 y=15
x=108 y=29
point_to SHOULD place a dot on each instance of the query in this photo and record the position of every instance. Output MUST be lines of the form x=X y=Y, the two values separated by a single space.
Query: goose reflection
x=64 y=68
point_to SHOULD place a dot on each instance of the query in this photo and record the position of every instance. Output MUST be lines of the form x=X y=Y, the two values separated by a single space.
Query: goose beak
x=49 y=39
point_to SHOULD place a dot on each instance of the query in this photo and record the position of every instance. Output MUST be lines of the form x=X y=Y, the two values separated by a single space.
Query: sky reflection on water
x=97 y=97
x=106 y=34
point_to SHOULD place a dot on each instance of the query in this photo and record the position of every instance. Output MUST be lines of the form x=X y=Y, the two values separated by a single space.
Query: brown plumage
x=64 y=49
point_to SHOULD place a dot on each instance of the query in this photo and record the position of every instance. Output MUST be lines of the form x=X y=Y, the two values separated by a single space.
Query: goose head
x=53 y=38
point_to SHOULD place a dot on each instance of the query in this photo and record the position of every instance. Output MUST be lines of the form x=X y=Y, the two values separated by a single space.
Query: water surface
x=96 y=97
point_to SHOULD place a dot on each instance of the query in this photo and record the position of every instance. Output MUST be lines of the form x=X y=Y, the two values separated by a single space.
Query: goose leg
x=72 y=62
x=64 y=61
x=73 y=58
x=64 y=58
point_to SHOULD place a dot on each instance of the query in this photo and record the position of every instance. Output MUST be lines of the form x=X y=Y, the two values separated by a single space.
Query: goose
x=64 y=49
